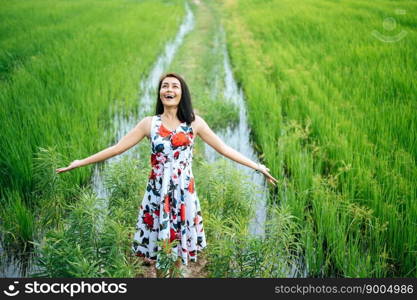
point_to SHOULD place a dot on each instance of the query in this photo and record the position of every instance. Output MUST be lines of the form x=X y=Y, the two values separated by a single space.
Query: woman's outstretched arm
x=208 y=136
x=125 y=143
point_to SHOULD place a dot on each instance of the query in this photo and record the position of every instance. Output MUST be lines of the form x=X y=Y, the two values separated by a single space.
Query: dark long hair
x=185 y=111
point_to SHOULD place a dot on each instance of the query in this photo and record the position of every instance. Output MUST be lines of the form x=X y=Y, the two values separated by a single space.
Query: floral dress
x=170 y=208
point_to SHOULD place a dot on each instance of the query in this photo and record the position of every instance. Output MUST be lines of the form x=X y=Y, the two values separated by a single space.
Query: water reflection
x=238 y=137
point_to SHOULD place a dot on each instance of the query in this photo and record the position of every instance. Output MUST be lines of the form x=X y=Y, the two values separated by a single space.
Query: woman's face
x=170 y=92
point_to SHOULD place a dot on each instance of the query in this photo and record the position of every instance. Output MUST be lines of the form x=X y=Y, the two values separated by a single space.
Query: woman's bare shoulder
x=146 y=124
x=196 y=123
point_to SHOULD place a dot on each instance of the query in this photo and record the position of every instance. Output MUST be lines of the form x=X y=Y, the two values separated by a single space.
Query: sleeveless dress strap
x=153 y=126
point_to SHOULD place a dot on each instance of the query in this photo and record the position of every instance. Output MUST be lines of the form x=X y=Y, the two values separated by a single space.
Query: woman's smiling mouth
x=169 y=97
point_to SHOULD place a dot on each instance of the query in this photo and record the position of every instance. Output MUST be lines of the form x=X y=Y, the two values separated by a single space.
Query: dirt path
x=193 y=270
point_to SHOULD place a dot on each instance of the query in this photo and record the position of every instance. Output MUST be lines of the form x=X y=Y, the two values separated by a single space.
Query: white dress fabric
x=170 y=208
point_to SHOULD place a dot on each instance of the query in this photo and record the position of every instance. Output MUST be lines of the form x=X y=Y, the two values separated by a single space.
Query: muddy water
x=238 y=138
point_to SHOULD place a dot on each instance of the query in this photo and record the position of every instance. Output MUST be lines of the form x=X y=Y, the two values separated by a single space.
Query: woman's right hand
x=265 y=171
x=75 y=164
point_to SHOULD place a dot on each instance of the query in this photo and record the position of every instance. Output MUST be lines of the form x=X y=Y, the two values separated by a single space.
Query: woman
x=170 y=209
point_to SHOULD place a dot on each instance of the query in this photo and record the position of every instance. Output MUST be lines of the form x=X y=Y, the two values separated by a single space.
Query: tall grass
x=342 y=133
x=95 y=237
x=232 y=251
x=82 y=248
x=17 y=223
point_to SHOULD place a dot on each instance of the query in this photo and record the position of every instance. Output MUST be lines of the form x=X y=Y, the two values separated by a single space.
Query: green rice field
x=342 y=124
x=331 y=94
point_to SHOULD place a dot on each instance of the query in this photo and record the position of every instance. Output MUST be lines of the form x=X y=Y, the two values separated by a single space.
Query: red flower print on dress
x=170 y=204
x=154 y=161
x=173 y=235
x=166 y=204
x=153 y=175
x=161 y=158
x=182 y=212
x=180 y=139
x=191 y=185
x=148 y=219
x=164 y=132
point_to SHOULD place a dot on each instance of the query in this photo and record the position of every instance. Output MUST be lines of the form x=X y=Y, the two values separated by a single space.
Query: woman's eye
x=166 y=86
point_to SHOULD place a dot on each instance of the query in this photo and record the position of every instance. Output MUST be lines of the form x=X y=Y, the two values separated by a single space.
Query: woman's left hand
x=264 y=170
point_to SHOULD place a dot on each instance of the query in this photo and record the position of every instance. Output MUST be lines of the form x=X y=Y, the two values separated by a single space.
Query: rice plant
x=17 y=223
x=86 y=246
